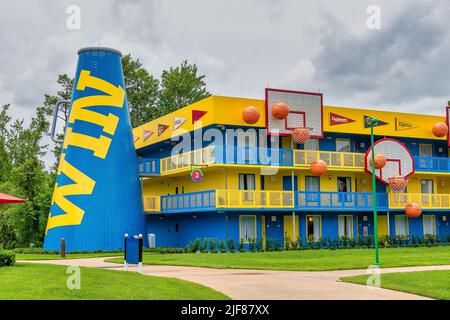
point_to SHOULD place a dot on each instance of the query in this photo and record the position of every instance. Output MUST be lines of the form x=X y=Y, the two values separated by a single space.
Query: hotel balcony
x=263 y=200
x=257 y=156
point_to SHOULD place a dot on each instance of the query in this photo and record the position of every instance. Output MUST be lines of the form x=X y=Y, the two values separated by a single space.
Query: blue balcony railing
x=254 y=156
x=270 y=200
x=432 y=164
x=340 y=200
x=148 y=166
x=198 y=201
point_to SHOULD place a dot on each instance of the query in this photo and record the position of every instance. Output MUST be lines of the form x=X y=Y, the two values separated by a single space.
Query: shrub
x=7 y=258
x=241 y=246
x=230 y=245
x=212 y=245
x=222 y=248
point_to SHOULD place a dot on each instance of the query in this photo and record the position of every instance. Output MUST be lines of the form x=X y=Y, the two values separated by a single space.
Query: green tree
x=180 y=87
x=142 y=91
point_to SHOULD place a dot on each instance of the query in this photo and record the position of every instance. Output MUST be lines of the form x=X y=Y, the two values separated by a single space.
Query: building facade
x=251 y=186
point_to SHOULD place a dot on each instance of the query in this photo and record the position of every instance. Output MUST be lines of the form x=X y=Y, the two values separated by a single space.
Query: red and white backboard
x=447 y=112
x=399 y=161
x=305 y=110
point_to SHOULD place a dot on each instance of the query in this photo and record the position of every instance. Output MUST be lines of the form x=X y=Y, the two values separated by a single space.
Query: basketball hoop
x=301 y=135
x=398 y=184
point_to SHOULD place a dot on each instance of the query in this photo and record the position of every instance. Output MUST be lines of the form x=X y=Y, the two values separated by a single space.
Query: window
x=425 y=152
x=312 y=144
x=344 y=184
x=247 y=228
x=247 y=182
x=401 y=225
x=429 y=224
x=342 y=145
x=427 y=187
x=313 y=227
x=345 y=224
x=312 y=184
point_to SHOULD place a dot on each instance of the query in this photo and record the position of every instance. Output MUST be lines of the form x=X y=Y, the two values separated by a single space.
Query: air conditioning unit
x=151 y=240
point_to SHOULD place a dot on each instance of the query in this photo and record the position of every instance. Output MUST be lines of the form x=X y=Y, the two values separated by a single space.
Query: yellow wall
x=228 y=111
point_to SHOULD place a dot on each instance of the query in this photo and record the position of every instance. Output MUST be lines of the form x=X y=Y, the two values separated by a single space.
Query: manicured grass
x=40 y=281
x=304 y=259
x=433 y=284
x=20 y=256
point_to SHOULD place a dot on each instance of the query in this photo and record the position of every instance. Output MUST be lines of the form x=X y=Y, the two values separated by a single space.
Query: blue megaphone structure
x=97 y=195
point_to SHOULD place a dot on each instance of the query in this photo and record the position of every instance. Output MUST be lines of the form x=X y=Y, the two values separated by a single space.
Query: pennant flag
x=336 y=119
x=379 y=123
x=177 y=122
x=135 y=139
x=147 y=134
x=162 y=128
x=404 y=125
x=197 y=114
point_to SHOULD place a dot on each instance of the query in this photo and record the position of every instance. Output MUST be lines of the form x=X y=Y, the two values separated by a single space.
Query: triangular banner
x=401 y=125
x=379 y=123
x=336 y=119
x=197 y=114
x=162 y=128
x=135 y=139
x=177 y=122
x=146 y=134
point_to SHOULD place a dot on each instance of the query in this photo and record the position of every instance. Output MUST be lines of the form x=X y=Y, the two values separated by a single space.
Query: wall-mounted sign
x=197 y=174
x=336 y=119
x=404 y=125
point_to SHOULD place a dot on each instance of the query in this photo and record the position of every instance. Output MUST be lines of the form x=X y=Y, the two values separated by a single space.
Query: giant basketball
x=280 y=110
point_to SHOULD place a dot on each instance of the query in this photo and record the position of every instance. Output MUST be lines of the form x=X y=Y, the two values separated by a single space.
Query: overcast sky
x=242 y=46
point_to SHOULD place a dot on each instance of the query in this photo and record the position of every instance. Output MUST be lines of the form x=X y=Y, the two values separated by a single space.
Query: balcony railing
x=350 y=160
x=272 y=157
x=432 y=164
x=201 y=200
x=254 y=199
x=186 y=160
x=425 y=200
x=151 y=203
x=148 y=166
x=340 y=200
x=264 y=200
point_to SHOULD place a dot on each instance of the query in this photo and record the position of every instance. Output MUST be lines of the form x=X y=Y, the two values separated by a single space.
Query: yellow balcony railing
x=254 y=199
x=151 y=203
x=186 y=160
x=332 y=158
x=425 y=200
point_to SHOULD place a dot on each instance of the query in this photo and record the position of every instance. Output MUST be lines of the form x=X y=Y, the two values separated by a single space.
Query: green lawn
x=20 y=256
x=37 y=281
x=305 y=259
x=433 y=284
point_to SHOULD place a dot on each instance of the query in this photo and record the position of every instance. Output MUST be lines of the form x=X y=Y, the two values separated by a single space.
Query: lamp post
x=372 y=122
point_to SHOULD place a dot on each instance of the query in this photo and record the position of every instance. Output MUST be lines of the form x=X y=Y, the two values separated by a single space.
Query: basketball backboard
x=305 y=110
x=447 y=112
x=399 y=161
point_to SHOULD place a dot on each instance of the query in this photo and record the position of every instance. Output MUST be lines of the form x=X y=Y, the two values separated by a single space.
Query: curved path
x=267 y=284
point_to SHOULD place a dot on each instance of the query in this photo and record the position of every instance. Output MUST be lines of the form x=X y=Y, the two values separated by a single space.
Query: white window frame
x=399 y=217
x=342 y=218
x=243 y=228
x=433 y=220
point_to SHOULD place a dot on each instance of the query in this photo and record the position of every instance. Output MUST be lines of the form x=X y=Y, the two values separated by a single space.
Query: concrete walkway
x=267 y=284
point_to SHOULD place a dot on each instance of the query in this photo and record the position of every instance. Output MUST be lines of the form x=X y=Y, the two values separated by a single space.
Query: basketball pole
x=372 y=122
